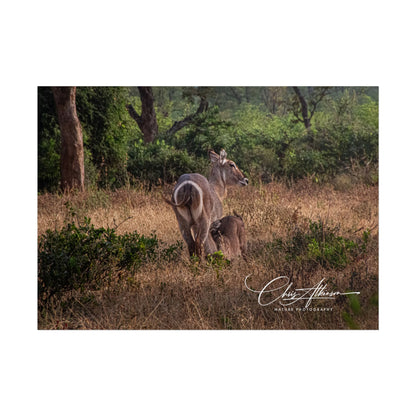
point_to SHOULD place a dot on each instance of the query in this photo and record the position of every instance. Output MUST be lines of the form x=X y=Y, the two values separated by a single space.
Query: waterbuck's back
x=195 y=197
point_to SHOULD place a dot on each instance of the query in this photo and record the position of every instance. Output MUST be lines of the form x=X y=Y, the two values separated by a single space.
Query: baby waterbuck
x=197 y=201
x=229 y=236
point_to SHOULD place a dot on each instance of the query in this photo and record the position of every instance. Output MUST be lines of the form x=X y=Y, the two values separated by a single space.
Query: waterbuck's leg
x=243 y=244
x=198 y=246
x=185 y=229
x=243 y=248
x=204 y=237
x=210 y=247
x=187 y=236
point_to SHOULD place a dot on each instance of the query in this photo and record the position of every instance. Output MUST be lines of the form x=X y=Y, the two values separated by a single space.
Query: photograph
x=208 y=208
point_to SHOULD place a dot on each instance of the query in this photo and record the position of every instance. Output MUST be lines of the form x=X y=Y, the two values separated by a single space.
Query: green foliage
x=301 y=160
x=348 y=131
x=354 y=303
x=107 y=130
x=257 y=126
x=218 y=262
x=49 y=160
x=321 y=245
x=328 y=249
x=158 y=161
x=208 y=131
x=355 y=310
x=49 y=141
x=85 y=257
x=261 y=142
x=349 y=320
x=374 y=300
x=216 y=258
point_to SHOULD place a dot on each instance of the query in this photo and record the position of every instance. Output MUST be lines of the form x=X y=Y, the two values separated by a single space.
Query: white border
x=215 y=43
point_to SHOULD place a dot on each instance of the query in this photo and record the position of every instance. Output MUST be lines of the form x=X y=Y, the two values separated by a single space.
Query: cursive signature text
x=282 y=291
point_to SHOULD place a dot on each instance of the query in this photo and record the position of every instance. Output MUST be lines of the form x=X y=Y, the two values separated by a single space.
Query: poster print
x=208 y=208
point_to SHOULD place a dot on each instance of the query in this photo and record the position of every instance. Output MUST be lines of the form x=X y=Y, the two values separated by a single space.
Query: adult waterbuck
x=197 y=201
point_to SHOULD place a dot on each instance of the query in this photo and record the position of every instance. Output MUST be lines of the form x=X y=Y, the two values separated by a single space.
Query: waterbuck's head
x=226 y=169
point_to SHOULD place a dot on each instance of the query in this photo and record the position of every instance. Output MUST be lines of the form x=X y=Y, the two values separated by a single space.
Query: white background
x=207 y=43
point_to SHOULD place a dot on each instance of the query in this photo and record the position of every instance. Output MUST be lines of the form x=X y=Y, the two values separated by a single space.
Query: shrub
x=159 y=161
x=84 y=257
x=321 y=245
x=261 y=142
x=218 y=262
x=208 y=131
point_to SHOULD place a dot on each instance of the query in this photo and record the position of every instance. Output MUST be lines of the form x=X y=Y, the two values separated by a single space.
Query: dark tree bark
x=72 y=147
x=177 y=125
x=147 y=120
x=304 y=108
x=308 y=110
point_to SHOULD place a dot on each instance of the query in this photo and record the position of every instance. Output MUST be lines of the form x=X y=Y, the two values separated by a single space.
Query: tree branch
x=304 y=107
x=134 y=114
x=320 y=97
x=177 y=125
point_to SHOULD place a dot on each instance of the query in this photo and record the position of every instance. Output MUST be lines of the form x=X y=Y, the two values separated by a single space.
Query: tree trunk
x=72 y=148
x=147 y=120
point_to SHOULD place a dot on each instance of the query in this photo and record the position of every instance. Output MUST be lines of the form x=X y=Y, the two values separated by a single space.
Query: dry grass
x=184 y=295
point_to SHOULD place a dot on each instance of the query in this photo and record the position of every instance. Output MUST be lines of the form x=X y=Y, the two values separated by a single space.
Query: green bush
x=158 y=161
x=85 y=257
x=321 y=245
x=270 y=146
x=107 y=130
x=348 y=133
x=261 y=142
x=208 y=131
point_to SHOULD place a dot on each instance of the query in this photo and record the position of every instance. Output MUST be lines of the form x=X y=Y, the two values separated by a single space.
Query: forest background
x=271 y=132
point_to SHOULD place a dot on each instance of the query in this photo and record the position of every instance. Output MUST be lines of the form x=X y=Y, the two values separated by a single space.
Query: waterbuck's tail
x=188 y=202
x=181 y=204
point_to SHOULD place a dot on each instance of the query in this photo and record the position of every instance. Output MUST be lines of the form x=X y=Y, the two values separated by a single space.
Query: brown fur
x=229 y=235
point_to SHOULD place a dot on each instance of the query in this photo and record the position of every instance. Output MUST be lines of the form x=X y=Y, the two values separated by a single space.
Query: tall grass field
x=116 y=260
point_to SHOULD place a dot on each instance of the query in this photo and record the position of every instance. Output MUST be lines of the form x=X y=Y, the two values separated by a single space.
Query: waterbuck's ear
x=223 y=156
x=215 y=226
x=213 y=156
